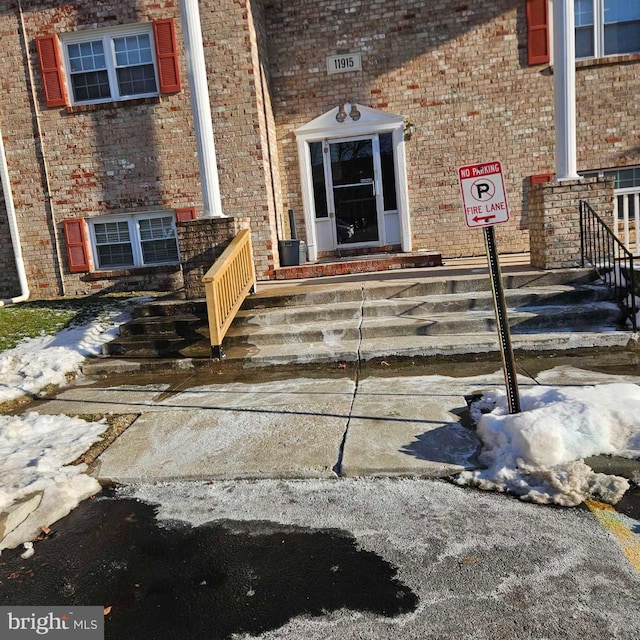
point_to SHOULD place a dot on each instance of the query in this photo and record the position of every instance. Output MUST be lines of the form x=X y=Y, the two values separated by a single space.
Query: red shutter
x=541 y=178
x=77 y=249
x=55 y=92
x=538 y=31
x=164 y=33
x=188 y=213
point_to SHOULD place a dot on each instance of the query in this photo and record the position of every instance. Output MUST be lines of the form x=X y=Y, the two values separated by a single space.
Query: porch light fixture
x=354 y=114
x=409 y=129
x=341 y=116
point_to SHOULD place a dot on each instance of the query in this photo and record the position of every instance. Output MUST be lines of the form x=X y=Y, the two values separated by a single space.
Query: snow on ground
x=37 y=362
x=538 y=453
x=34 y=449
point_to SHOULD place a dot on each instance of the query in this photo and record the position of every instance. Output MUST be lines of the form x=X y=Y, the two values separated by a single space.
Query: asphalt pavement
x=316 y=505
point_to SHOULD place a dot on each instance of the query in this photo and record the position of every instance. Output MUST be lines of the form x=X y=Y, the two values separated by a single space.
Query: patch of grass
x=28 y=321
x=48 y=317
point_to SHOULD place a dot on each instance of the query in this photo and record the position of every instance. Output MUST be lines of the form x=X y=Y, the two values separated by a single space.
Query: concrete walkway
x=321 y=423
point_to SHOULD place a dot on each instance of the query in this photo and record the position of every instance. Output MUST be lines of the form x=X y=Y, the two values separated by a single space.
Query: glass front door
x=353 y=202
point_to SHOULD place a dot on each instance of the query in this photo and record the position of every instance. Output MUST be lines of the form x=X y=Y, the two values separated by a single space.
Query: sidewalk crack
x=337 y=467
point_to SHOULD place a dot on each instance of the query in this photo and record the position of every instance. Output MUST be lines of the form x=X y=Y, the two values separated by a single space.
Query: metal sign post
x=504 y=335
x=485 y=204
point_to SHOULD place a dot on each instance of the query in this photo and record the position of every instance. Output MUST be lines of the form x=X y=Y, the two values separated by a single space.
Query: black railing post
x=582 y=232
x=632 y=280
x=610 y=258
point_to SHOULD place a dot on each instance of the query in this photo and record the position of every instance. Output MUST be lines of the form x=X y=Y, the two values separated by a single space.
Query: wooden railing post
x=226 y=285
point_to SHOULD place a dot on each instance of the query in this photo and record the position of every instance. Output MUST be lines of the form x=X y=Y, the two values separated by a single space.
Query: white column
x=201 y=107
x=564 y=89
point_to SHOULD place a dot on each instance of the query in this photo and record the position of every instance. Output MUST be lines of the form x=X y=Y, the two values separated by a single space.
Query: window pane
x=158 y=239
x=351 y=162
x=317 y=172
x=584 y=42
x=157 y=228
x=154 y=251
x=113 y=244
x=621 y=11
x=112 y=231
x=86 y=56
x=388 y=172
x=115 y=255
x=622 y=37
x=90 y=86
x=136 y=80
x=624 y=179
x=583 y=11
x=132 y=50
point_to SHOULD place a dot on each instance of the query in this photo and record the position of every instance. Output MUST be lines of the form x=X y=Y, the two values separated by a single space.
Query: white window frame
x=598 y=34
x=107 y=36
x=133 y=222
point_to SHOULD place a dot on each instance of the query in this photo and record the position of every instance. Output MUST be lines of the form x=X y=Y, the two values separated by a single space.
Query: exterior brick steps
x=364 y=264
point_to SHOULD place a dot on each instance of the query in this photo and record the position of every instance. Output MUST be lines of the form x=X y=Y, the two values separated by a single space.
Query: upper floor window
x=606 y=27
x=108 y=65
x=111 y=66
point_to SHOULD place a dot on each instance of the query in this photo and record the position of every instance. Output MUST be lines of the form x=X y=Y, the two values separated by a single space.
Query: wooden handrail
x=226 y=285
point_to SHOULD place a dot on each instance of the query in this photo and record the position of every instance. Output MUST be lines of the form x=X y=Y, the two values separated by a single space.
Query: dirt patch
x=118 y=424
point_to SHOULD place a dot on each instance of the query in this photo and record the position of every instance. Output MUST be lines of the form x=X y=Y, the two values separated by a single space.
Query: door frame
x=369 y=123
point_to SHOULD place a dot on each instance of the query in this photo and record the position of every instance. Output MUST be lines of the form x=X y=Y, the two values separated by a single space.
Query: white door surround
x=327 y=129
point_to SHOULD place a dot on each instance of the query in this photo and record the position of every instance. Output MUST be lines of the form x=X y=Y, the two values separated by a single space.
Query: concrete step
x=173 y=306
x=418 y=305
x=145 y=346
x=387 y=348
x=382 y=318
x=549 y=318
x=180 y=325
x=289 y=296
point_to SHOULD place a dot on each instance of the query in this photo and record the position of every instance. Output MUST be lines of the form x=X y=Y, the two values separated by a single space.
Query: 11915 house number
x=344 y=63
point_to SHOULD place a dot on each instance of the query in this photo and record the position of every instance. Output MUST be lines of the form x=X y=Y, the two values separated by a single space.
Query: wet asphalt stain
x=179 y=582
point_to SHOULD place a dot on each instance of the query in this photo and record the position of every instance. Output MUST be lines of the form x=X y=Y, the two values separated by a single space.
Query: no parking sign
x=483 y=194
x=485 y=204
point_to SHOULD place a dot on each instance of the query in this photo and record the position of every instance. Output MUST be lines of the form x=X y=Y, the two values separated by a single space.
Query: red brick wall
x=232 y=51
x=133 y=156
x=23 y=153
x=457 y=71
x=9 y=284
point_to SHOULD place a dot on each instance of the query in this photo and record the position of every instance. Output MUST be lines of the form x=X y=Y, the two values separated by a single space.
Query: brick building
x=353 y=114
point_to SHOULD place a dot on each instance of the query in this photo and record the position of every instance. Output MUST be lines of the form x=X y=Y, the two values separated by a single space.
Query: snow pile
x=33 y=451
x=35 y=448
x=537 y=454
x=617 y=276
x=38 y=362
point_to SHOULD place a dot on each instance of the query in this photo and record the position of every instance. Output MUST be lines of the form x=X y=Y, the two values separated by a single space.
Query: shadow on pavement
x=173 y=581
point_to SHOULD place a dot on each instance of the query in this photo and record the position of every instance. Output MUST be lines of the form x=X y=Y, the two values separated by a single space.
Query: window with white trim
x=111 y=65
x=606 y=27
x=134 y=241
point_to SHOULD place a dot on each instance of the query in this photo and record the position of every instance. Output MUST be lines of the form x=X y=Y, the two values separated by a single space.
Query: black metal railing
x=611 y=259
